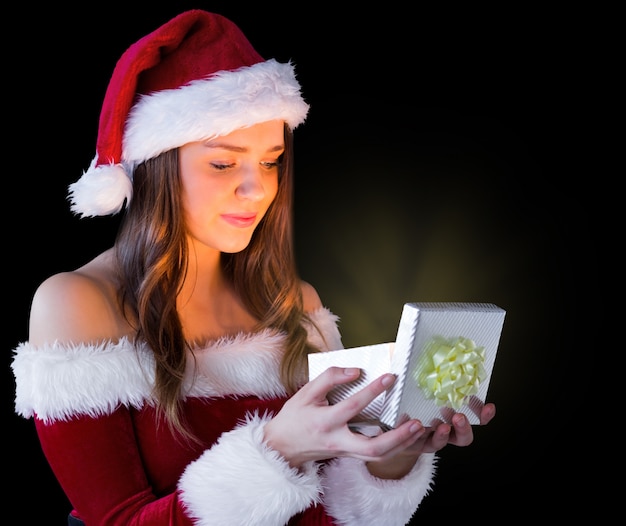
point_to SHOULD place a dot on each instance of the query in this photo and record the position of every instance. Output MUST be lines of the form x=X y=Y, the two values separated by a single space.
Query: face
x=229 y=183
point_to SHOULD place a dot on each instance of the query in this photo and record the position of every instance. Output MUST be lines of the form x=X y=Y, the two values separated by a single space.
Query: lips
x=239 y=220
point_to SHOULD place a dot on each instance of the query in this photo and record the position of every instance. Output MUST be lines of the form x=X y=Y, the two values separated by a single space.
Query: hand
x=460 y=433
x=309 y=428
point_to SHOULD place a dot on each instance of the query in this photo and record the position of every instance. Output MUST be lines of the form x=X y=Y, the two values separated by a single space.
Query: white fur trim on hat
x=208 y=108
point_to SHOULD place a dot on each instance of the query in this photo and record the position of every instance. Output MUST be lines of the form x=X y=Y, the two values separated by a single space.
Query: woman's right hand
x=309 y=428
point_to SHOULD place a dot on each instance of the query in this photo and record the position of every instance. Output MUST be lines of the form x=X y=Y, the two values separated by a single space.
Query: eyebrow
x=240 y=149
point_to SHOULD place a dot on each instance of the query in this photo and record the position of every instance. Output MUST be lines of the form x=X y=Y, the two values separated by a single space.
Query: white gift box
x=443 y=358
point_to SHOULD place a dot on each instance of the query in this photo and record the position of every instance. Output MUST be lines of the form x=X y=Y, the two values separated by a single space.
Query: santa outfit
x=194 y=78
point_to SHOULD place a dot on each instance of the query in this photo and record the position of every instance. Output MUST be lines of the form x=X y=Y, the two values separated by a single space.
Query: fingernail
x=388 y=379
x=350 y=371
x=415 y=428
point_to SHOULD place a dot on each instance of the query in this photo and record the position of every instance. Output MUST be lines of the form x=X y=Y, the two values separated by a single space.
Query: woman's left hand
x=458 y=433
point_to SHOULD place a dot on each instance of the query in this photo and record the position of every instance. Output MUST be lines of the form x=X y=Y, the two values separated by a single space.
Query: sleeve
x=98 y=465
x=353 y=497
x=242 y=481
x=237 y=481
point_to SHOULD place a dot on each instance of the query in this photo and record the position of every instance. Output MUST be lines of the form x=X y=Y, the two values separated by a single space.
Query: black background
x=435 y=165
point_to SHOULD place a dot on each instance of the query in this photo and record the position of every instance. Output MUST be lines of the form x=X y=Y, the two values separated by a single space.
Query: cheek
x=190 y=197
x=272 y=189
x=199 y=199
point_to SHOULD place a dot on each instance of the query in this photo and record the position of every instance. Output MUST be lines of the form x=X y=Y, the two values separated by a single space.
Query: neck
x=207 y=304
x=204 y=278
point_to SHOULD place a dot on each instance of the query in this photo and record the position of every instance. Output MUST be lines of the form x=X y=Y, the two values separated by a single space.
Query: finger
x=389 y=443
x=317 y=389
x=408 y=434
x=487 y=413
x=351 y=406
x=439 y=437
x=463 y=434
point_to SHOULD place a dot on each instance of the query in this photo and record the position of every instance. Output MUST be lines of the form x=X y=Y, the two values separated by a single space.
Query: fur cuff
x=353 y=497
x=240 y=480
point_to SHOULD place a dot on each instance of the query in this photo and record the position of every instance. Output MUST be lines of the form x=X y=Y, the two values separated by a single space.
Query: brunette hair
x=152 y=254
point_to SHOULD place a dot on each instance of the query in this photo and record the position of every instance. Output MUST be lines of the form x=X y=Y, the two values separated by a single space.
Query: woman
x=167 y=376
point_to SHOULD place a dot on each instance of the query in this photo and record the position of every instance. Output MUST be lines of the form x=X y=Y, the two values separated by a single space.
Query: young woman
x=167 y=377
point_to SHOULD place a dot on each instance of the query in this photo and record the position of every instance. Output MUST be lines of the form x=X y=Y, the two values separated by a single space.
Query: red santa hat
x=194 y=78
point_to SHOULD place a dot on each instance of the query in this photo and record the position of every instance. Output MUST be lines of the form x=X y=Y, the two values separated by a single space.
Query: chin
x=234 y=249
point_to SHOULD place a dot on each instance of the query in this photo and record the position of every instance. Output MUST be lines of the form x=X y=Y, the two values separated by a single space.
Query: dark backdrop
x=433 y=167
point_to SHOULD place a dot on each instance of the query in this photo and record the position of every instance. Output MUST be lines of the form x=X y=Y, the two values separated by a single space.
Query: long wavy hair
x=152 y=254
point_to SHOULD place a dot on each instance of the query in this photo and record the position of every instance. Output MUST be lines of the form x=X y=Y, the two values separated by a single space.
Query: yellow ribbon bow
x=450 y=370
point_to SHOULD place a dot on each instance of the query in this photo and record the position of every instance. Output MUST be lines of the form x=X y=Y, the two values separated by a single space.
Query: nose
x=251 y=185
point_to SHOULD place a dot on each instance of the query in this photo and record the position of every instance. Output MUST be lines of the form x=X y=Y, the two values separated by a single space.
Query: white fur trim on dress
x=353 y=497
x=58 y=381
x=328 y=336
x=240 y=480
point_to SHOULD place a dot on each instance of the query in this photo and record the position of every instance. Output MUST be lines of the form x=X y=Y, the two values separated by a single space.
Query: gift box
x=443 y=358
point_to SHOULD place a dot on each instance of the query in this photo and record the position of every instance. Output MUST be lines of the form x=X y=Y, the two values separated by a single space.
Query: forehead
x=270 y=132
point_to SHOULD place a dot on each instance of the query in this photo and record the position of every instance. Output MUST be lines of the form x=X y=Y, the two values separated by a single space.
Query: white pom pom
x=101 y=191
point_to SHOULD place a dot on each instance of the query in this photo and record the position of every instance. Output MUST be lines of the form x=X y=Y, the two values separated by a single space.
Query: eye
x=221 y=166
x=272 y=164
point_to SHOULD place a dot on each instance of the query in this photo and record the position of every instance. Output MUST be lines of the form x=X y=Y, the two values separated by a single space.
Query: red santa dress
x=119 y=464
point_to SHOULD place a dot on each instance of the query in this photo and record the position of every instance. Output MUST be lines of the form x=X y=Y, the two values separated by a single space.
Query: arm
x=236 y=481
x=389 y=490
x=370 y=480
x=97 y=464
x=399 y=461
x=90 y=427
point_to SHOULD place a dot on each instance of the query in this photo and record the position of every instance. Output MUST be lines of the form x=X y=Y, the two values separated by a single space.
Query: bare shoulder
x=310 y=297
x=77 y=306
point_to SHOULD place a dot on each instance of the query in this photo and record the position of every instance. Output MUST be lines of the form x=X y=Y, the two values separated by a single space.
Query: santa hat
x=194 y=78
